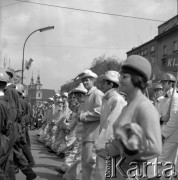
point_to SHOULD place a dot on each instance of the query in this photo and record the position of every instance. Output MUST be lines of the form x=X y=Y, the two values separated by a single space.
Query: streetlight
x=41 y=30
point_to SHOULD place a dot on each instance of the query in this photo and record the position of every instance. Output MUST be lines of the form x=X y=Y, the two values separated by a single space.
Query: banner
x=170 y=63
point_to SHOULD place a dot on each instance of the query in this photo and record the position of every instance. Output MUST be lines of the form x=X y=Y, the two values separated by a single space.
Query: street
x=45 y=161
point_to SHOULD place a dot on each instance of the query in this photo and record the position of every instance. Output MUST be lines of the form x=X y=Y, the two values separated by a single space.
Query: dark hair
x=2 y=84
x=114 y=84
x=139 y=82
x=79 y=93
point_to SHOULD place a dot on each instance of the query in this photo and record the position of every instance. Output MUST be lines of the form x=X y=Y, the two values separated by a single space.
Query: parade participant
x=158 y=95
x=52 y=127
x=169 y=116
x=46 y=120
x=6 y=133
x=23 y=123
x=32 y=115
x=65 y=98
x=72 y=164
x=137 y=134
x=111 y=108
x=61 y=129
x=91 y=120
x=55 y=128
x=26 y=117
x=14 y=112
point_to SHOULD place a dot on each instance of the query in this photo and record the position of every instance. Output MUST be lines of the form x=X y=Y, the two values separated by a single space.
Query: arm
x=116 y=109
x=149 y=122
x=94 y=115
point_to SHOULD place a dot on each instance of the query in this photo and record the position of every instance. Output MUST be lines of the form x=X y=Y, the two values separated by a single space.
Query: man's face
x=88 y=82
x=166 y=85
x=158 y=92
x=106 y=86
x=60 y=105
x=64 y=98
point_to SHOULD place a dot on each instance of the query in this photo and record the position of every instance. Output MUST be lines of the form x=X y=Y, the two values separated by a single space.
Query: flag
x=28 y=64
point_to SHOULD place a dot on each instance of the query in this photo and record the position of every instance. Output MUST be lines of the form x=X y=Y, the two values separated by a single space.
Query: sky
x=78 y=37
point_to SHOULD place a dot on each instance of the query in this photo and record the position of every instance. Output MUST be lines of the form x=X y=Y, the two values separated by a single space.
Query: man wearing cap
x=6 y=133
x=54 y=114
x=139 y=117
x=48 y=113
x=73 y=161
x=158 y=95
x=169 y=117
x=14 y=107
x=65 y=100
x=112 y=105
x=91 y=120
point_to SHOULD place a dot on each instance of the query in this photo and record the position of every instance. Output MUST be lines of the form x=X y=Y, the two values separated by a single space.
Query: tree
x=99 y=65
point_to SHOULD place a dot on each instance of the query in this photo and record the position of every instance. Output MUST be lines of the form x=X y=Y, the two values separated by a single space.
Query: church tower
x=38 y=89
x=32 y=80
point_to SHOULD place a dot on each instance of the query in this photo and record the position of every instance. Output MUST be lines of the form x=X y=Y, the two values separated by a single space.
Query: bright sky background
x=78 y=37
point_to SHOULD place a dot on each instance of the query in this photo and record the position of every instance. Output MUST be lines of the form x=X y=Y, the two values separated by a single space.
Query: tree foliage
x=99 y=65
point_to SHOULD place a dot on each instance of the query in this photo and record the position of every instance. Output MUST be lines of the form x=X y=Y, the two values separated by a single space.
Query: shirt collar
x=110 y=93
x=91 y=90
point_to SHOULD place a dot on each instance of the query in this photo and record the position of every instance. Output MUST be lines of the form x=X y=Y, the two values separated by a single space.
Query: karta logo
x=125 y=168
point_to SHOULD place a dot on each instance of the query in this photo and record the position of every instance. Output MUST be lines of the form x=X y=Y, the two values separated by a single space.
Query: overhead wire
x=9 y=4
x=82 y=47
x=89 y=11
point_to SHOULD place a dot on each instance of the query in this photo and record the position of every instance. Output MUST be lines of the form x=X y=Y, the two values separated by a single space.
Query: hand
x=165 y=118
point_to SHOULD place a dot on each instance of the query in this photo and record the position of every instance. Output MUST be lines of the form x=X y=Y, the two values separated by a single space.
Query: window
x=39 y=94
x=164 y=50
x=145 y=52
x=152 y=49
x=141 y=53
x=175 y=46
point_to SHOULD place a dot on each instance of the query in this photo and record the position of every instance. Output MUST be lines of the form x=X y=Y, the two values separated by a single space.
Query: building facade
x=161 y=47
x=36 y=94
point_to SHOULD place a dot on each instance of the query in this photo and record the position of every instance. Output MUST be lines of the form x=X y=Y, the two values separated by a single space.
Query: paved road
x=45 y=161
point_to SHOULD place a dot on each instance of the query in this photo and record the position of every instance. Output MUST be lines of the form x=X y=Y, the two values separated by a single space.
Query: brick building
x=162 y=46
x=36 y=94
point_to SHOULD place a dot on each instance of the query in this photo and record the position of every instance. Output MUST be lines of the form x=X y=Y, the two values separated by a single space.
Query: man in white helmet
x=112 y=105
x=91 y=120
x=169 y=117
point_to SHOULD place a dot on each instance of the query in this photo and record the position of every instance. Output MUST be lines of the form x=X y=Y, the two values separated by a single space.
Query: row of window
x=152 y=49
x=175 y=48
x=145 y=51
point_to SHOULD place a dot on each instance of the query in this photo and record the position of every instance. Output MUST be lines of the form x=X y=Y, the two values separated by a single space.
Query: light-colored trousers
x=88 y=159
x=169 y=154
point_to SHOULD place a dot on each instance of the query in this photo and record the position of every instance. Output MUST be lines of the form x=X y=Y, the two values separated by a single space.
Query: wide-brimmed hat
x=65 y=94
x=50 y=99
x=158 y=86
x=112 y=76
x=89 y=73
x=57 y=95
x=80 y=88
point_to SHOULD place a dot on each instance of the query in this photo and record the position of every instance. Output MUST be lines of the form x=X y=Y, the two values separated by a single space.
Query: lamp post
x=41 y=30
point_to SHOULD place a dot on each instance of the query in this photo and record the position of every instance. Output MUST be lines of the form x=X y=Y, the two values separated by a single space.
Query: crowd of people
x=88 y=128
